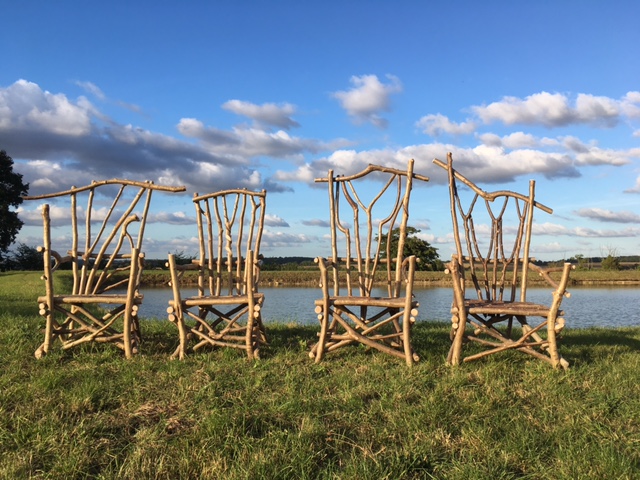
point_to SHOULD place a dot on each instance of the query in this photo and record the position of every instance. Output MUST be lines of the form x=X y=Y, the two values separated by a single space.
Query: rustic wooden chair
x=230 y=225
x=106 y=262
x=368 y=235
x=492 y=234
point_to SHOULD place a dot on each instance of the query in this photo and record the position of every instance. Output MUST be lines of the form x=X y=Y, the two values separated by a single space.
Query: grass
x=89 y=413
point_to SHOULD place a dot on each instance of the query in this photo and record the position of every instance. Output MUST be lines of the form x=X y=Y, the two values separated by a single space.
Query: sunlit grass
x=89 y=413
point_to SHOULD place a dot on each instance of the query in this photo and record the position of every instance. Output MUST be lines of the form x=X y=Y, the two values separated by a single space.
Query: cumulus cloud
x=630 y=104
x=436 y=125
x=556 y=109
x=61 y=142
x=539 y=109
x=25 y=107
x=171 y=218
x=512 y=141
x=602 y=215
x=274 y=221
x=635 y=188
x=561 y=230
x=272 y=239
x=242 y=145
x=316 y=222
x=485 y=164
x=267 y=114
x=368 y=98
x=344 y=162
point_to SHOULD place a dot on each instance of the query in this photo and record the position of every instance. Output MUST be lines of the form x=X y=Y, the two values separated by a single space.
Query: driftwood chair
x=230 y=225
x=368 y=233
x=492 y=234
x=106 y=262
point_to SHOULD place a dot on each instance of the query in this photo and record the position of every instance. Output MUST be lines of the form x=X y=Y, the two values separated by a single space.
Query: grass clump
x=89 y=413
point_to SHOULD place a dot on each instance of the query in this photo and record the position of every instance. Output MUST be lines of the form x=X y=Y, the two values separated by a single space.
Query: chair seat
x=113 y=299
x=389 y=302
x=224 y=300
x=484 y=307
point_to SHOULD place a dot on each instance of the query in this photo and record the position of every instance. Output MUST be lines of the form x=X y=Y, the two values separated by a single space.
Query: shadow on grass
x=430 y=341
x=428 y=338
x=592 y=344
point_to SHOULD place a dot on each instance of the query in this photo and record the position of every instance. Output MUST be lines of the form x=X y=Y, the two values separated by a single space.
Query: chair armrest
x=544 y=273
x=60 y=260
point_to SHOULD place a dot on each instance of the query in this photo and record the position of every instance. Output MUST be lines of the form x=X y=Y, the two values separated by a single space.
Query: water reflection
x=611 y=306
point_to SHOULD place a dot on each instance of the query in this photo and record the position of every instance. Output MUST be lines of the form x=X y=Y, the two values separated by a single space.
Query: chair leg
x=455 y=352
x=43 y=349
x=406 y=340
x=249 y=335
x=322 y=338
x=552 y=349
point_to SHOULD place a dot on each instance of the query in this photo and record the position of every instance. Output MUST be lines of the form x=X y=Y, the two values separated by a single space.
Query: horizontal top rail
x=114 y=181
x=491 y=196
x=372 y=168
x=221 y=193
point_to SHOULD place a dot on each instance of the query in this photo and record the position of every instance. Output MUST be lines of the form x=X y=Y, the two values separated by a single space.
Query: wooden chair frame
x=348 y=311
x=105 y=255
x=497 y=275
x=230 y=226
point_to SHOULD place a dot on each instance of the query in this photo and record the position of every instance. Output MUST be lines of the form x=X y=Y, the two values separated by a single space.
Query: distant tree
x=11 y=191
x=611 y=263
x=182 y=258
x=582 y=262
x=24 y=257
x=427 y=255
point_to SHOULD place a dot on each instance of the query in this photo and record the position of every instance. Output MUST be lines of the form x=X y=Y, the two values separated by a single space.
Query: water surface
x=604 y=306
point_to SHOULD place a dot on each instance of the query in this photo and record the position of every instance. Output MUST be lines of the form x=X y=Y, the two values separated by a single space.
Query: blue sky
x=270 y=94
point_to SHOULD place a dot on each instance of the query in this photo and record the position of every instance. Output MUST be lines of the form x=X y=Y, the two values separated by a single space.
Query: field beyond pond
x=89 y=413
x=310 y=276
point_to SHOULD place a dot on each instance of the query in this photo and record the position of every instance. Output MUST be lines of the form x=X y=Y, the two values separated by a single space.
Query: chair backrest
x=230 y=225
x=369 y=212
x=107 y=220
x=492 y=235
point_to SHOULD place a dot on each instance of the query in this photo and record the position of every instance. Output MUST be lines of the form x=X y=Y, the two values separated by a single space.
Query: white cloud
x=368 y=98
x=60 y=142
x=316 y=222
x=555 y=110
x=171 y=218
x=635 y=188
x=631 y=104
x=561 y=230
x=24 y=106
x=599 y=156
x=271 y=220
x=512 y=141
x=93 y=89
x=267 y=114
x=435 y=125
x=279 y=239
x=344 y=162
x=608 y=216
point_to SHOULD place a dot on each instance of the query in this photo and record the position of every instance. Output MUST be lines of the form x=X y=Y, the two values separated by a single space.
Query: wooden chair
x=367 y=246
x=492 y=234
x=106 y=262
x=230 y=225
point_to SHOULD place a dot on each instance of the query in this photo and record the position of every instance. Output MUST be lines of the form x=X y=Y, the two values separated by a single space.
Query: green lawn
x=89 y=413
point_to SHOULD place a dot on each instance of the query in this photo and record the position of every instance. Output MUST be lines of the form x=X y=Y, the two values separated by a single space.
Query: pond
x=603 y=306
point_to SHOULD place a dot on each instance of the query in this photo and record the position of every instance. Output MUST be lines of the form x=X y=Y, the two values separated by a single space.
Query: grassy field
x=89 y=413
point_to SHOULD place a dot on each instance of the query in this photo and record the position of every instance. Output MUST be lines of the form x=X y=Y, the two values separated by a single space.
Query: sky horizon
x=272 y=94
